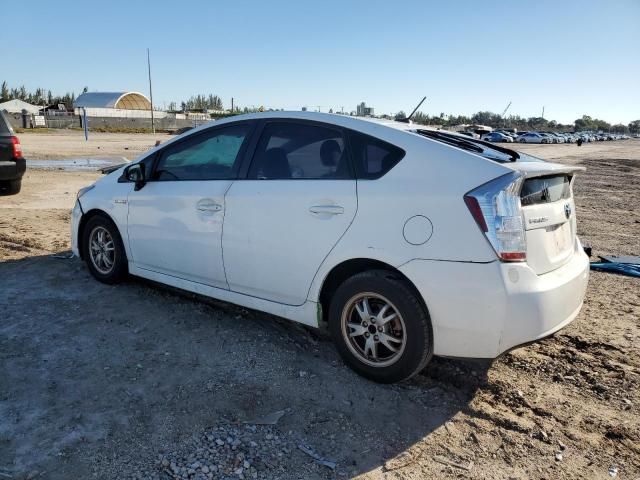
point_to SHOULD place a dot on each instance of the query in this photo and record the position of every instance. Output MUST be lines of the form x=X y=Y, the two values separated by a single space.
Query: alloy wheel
x=102 y=250
x=373 y=329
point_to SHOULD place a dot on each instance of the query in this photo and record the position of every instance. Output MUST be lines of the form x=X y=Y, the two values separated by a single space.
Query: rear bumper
x=12 y=169
x=480 y=310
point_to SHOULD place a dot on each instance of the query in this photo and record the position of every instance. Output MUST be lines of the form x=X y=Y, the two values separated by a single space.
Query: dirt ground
x=139 y=381
x=61 y=144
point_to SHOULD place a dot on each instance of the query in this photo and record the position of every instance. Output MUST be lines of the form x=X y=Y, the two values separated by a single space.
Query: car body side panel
x=429 y=182
x=306 y=313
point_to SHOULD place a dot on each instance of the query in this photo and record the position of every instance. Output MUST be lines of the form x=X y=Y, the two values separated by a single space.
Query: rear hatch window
x=546 y=189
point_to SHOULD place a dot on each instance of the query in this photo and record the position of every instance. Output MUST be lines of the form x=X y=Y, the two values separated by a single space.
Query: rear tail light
x=496 y=208
x=17 y=148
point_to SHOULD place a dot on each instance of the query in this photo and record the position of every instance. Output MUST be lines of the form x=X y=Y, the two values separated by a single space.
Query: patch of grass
x=33 y=130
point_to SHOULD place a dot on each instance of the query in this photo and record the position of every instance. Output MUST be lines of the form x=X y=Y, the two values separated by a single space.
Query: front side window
x=299 y=151
x=373 y=158
x=209 y=156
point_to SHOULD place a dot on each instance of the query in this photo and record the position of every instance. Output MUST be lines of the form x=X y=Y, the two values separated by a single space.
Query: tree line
x=198 y=102
x=38 y=97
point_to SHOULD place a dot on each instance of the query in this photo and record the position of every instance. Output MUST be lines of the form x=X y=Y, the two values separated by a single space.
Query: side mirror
x=135 y=174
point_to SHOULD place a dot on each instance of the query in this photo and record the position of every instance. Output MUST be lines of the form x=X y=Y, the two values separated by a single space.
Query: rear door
x=550 y=221
x=298 y=199
x=175 y=220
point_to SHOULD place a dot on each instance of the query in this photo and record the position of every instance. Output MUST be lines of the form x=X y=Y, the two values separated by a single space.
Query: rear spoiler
x=549 y=170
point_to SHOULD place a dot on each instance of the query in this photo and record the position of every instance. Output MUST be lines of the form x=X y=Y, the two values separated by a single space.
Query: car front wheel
x=103 y=250
x=380 y=327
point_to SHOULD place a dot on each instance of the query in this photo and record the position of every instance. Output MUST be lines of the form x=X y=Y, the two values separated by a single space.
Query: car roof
x=356 y=123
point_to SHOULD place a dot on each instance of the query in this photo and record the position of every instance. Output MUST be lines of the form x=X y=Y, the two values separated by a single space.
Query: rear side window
x=373 y=158
x=297 y=151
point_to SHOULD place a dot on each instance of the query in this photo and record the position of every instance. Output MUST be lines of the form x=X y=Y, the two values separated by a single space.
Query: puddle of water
x=76 y=164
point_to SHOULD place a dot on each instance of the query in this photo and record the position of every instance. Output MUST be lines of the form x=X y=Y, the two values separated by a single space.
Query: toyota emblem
x=567 y=210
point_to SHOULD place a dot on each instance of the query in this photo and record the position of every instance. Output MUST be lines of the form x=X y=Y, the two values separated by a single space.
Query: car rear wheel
x=380 y=327
x=10 y=187
x=103 y=250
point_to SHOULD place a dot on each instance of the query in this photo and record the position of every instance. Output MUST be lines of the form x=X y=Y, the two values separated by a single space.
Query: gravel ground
x=141 y=381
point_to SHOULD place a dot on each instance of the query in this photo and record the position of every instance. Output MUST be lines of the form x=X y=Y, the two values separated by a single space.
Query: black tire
x=418 y=347
x=119 y=269
x=10 y=187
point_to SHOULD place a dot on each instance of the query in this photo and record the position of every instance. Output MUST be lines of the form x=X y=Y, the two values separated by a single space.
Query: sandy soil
x=60 y=144
x=122 y=382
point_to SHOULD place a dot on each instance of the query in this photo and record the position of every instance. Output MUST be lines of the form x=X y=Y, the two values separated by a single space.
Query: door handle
x=208 y=206
x=326 y=210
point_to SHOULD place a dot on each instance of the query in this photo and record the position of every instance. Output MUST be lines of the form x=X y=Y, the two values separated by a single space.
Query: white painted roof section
x=123 y=100
x=16 y=106
x=356 y=123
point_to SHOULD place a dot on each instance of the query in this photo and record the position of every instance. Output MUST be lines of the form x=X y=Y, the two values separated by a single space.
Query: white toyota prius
x=405 y=242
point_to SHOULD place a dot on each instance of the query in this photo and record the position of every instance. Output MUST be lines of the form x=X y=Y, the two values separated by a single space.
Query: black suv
x=12 y=164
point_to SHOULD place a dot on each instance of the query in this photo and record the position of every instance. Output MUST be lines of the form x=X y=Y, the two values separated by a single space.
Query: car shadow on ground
x=102 y=380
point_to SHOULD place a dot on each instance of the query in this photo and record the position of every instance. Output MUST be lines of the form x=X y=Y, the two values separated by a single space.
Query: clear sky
x=574 y=57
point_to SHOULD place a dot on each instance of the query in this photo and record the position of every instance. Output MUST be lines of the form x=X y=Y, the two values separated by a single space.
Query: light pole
x=153 y=125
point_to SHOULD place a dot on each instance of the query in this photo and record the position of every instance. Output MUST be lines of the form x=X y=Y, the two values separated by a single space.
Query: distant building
x=363 y=111
x=17 y=106
x=115 y=104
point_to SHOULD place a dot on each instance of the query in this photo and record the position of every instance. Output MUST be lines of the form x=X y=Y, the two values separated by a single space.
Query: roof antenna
x=408 y=119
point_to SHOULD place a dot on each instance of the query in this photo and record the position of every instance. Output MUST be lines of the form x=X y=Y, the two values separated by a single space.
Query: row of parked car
x=549 y=137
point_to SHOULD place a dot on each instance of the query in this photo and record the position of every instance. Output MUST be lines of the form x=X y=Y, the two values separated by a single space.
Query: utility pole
x=153 y=125
x=504 y=112
x=231 y=104
x=543 y=111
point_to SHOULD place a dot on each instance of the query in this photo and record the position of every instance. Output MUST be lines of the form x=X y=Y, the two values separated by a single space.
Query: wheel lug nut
x=366 y=334
x=365 y=324
x=376 y=338
x=379 y=329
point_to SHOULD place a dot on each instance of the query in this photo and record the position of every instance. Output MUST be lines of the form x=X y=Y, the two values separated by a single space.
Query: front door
x=175 y=220
x=284 y=219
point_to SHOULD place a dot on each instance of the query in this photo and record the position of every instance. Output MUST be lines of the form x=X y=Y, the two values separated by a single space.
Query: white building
x=115 y=104
x=17 y=106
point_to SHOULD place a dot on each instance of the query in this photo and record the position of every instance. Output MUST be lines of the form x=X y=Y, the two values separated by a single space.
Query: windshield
x=485 y=149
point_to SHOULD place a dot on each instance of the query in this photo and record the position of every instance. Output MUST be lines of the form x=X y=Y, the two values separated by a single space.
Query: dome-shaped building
x=120 y=100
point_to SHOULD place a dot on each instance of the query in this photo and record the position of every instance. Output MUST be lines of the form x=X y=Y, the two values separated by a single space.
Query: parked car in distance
x=549 y=137
x=405 y=242
x=497 y=137
x=469 y=134
x=12 y=163
x=533 y=137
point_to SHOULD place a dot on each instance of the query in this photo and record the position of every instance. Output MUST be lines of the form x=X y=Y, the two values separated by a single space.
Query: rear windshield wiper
x=470 y=144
